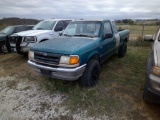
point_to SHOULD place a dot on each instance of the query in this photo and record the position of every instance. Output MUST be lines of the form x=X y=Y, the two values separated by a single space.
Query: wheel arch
x=45 y=39
x=94 y=55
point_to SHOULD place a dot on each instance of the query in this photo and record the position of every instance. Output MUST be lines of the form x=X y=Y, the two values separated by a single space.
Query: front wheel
x=3 y=48
x=91 y=74
x=122 y=50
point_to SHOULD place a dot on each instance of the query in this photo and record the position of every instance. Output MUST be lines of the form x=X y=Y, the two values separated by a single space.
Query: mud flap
x=18 y=42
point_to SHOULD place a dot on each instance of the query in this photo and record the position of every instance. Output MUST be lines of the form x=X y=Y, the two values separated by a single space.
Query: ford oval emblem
x=44 y=54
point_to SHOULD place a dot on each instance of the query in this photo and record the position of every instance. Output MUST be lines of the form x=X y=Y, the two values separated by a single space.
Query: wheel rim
x=95 y=75
x=4 y=48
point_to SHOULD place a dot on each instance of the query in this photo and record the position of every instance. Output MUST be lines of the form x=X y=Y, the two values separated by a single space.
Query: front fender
x=84 y=58
x=40 y=38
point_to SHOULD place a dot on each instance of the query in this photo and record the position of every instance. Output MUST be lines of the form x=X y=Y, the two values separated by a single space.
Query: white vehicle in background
x=44 y=30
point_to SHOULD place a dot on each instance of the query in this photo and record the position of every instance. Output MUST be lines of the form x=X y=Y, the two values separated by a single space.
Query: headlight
x=156 y=70
x=29 y=39
x=31 y=54
x=69 y=60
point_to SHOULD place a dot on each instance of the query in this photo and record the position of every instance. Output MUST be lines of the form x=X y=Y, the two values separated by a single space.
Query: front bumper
x=153 y=86
x=24 y=48
x=70 y=74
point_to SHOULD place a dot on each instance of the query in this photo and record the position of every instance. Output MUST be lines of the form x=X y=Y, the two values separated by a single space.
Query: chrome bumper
x=70 y=74
x=154 y=82
x=24 y=48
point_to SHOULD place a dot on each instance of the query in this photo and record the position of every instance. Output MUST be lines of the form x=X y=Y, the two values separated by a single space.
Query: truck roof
x=56 y=19
x=96 y=20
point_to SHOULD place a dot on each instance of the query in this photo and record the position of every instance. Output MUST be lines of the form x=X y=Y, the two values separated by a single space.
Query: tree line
x=17 y=21
x=139 y=22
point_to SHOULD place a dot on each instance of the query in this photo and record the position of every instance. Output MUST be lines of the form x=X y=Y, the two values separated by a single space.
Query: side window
x=107 y=28
x=21 y=28
x=114 y=27
x=59 y=24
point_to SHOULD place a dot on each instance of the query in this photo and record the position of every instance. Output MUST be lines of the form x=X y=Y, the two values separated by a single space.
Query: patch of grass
x=139 y=42
x=95 y=100
x=55 y=85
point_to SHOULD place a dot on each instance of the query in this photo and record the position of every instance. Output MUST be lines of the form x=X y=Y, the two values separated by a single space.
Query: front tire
x=122 y=50
x=3 y=48
x=90 y=76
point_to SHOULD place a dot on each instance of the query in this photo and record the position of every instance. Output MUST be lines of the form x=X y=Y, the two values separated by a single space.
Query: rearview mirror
x=108 y=35
x=59 y=28
x=148 y=38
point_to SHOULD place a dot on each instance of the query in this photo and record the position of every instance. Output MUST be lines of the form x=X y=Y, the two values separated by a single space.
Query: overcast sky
x=78 y=9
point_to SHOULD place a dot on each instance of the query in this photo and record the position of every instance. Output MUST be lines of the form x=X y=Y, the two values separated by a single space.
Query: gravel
x=25 y=100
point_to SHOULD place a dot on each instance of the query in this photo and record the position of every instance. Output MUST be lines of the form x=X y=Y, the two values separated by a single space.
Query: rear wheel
x=3 y=48
x=122 y=50
x=91 y=75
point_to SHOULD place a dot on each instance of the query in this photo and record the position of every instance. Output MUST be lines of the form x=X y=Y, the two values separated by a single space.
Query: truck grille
x=13 y=40
x=46 y=58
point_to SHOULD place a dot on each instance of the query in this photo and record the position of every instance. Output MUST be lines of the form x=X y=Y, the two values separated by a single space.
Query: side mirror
x=59 y=28
x=148 y=38
x=108 y=35
x=60 y=34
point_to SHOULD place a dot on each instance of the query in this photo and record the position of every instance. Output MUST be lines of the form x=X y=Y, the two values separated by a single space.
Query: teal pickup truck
x=79 y=51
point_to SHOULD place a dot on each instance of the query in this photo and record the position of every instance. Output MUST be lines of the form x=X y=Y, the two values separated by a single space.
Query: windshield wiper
x=82 y=35
x=66 y=35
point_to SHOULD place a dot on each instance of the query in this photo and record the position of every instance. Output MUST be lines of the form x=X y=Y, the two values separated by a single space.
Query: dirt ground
x=22 y=97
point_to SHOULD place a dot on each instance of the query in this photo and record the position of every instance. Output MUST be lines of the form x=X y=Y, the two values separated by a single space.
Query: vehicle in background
x=44 y=30
x=6 y=32
x=78 y=53
x=152 y=83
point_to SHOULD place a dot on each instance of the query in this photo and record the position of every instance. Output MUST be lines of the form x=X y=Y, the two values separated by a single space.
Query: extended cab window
x=107 y=28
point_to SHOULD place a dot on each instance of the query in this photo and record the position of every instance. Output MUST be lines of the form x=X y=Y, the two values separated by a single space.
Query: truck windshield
x=44 y=25
x=8 y=30
x=83 y=29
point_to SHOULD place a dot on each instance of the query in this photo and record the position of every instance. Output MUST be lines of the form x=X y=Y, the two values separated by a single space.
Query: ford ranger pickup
x=79 y=51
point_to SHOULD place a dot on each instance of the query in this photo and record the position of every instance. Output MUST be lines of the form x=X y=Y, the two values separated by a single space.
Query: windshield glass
x=44 y=25
x=83 y=28
x=8 y=30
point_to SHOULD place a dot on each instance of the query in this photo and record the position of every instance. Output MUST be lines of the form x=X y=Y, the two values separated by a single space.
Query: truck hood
x=31 y=33
x=66 y=45
x=2 y=36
